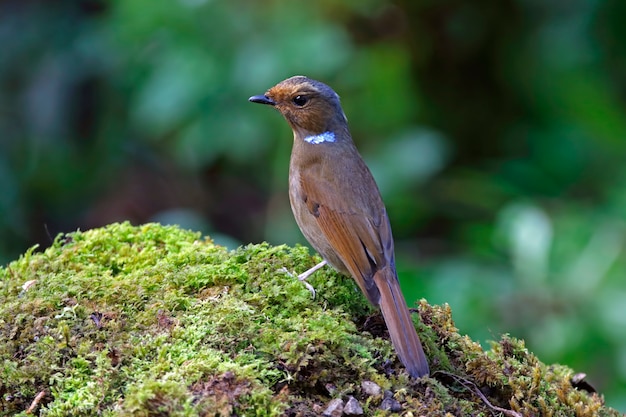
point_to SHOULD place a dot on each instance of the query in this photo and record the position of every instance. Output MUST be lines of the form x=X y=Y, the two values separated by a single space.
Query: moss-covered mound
x=156 y=321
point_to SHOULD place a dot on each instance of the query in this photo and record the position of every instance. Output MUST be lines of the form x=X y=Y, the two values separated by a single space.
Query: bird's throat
x=325 y=137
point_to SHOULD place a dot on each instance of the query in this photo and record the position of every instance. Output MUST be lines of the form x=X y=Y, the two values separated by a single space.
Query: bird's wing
x=352 y=217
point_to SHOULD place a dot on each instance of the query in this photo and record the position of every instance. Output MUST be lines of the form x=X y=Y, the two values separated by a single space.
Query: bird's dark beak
x=263 y=99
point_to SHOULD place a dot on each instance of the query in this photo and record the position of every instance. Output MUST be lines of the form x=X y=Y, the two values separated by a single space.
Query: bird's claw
x=307 y=285
x=302 y=278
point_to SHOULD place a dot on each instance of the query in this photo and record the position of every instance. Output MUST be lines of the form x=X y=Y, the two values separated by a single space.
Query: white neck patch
x=321 y=138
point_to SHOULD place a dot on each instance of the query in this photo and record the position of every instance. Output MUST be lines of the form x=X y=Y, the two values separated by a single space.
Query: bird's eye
x=300 y=100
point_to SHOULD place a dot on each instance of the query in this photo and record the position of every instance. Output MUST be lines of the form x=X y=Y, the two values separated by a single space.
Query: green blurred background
x=495 y=129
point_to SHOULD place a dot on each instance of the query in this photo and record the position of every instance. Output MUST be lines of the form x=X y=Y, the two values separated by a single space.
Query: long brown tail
x=398 y=319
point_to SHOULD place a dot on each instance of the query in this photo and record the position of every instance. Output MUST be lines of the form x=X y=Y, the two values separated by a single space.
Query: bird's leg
x=303 y=276
x=306 y=274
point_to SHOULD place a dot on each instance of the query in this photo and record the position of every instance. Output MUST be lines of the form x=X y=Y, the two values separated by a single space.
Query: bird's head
x=311 y=107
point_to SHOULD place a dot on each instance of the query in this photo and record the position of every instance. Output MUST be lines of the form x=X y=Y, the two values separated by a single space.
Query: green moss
x=155 y=320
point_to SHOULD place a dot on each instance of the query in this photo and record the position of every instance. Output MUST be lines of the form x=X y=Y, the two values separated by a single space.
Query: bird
x=338 y=206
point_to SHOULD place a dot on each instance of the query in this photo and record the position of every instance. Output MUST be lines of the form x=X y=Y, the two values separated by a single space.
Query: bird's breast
x=306 y=211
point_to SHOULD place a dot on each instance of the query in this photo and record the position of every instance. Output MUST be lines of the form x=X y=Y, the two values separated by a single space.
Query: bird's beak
x=262 y=99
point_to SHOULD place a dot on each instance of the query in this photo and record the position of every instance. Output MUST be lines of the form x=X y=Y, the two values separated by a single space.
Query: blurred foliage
x=496 y=130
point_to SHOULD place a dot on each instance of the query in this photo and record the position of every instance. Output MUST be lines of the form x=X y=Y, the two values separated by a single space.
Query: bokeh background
x=496 y=130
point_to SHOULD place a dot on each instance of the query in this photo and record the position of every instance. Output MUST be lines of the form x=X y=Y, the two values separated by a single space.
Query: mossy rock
x=157 y=321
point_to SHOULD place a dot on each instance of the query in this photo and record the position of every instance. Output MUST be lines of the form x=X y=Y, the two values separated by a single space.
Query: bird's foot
x=292 y=275
x=306 y=274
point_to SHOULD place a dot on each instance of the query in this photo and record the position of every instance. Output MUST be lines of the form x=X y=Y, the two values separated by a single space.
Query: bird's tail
x=398 y=319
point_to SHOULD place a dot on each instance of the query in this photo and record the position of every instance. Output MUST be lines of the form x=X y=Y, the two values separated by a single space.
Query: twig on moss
x=471 y=386
x=35 y=402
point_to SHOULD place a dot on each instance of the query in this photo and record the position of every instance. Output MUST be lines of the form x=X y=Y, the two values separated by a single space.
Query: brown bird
x=338 y=207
